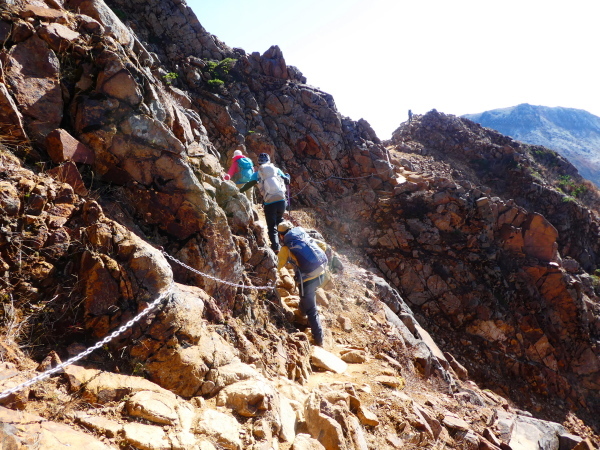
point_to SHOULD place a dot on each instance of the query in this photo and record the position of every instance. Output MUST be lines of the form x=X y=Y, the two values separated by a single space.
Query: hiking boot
x=318 y=342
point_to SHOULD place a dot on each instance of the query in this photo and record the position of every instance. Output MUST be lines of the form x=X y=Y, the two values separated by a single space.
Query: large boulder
x=33 y=72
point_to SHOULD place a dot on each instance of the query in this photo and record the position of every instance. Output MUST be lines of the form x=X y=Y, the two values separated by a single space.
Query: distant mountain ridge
x=574 y=133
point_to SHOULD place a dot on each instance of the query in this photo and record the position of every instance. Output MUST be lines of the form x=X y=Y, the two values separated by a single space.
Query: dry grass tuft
x=304 y=218
x=14 y=148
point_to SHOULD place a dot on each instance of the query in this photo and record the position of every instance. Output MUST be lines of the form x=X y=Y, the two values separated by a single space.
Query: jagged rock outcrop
x=531 y=176
x=477 y=262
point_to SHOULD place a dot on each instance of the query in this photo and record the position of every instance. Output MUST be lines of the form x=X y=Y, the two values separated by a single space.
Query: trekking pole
x=289 y=204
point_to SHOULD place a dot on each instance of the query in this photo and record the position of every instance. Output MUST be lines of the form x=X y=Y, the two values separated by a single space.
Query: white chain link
x=123 y=328
x=99 y=344
x=244 y=286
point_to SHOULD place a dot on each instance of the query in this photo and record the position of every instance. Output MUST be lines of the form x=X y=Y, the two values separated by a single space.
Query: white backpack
x=270 y=184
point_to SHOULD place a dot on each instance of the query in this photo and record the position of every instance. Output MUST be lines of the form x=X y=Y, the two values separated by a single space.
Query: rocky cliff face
x=118 y=121
x=572 y=132
x=528 y=271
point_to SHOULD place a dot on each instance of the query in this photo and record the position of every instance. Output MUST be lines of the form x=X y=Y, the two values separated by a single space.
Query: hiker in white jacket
x=271 y=184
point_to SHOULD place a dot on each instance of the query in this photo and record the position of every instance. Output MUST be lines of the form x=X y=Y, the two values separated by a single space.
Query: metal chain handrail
x=229 y=283
x=96 y=346
x=123 y=328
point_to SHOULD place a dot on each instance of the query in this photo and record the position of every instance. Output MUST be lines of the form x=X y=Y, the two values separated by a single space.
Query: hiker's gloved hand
x=287 y=179
x=226 y=177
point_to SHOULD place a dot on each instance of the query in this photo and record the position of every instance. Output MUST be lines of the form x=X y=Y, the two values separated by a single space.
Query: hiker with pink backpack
x=240 y=171
x=271 y=184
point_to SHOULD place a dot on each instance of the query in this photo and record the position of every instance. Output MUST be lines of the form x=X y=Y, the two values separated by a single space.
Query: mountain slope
x=572 y=132
x=457 y=243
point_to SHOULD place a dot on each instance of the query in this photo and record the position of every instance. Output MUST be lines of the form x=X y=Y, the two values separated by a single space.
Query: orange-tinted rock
x=33 y=72
x=511 y=238
x=539 y=239
x=42 y=12
x=58 y=37
x=124 y=87
x=68 y=173
x=61 y=147
x=11 y=119
x=10 y=204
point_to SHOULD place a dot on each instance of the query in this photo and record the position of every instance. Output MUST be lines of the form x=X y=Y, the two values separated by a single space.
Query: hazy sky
x=380 y=58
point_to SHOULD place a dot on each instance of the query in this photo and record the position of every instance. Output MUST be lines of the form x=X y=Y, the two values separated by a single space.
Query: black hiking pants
x=274 y=215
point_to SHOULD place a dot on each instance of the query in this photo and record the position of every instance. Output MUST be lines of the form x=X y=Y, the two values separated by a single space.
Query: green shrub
x=579 y=189
x=215 y=83
x=569 y=186
x=565 y=180
x=219 y=71
x=170 y=77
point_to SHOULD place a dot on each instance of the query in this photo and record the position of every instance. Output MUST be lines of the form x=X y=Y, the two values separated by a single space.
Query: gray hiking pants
x=308 y=306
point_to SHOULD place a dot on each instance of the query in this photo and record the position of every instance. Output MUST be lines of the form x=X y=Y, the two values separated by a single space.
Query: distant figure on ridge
x=241 y=171
x=409 y=115
x=310 y=260
x=271 y=184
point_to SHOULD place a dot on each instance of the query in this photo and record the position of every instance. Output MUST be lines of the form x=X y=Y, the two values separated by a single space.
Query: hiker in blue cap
x=271 y=184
